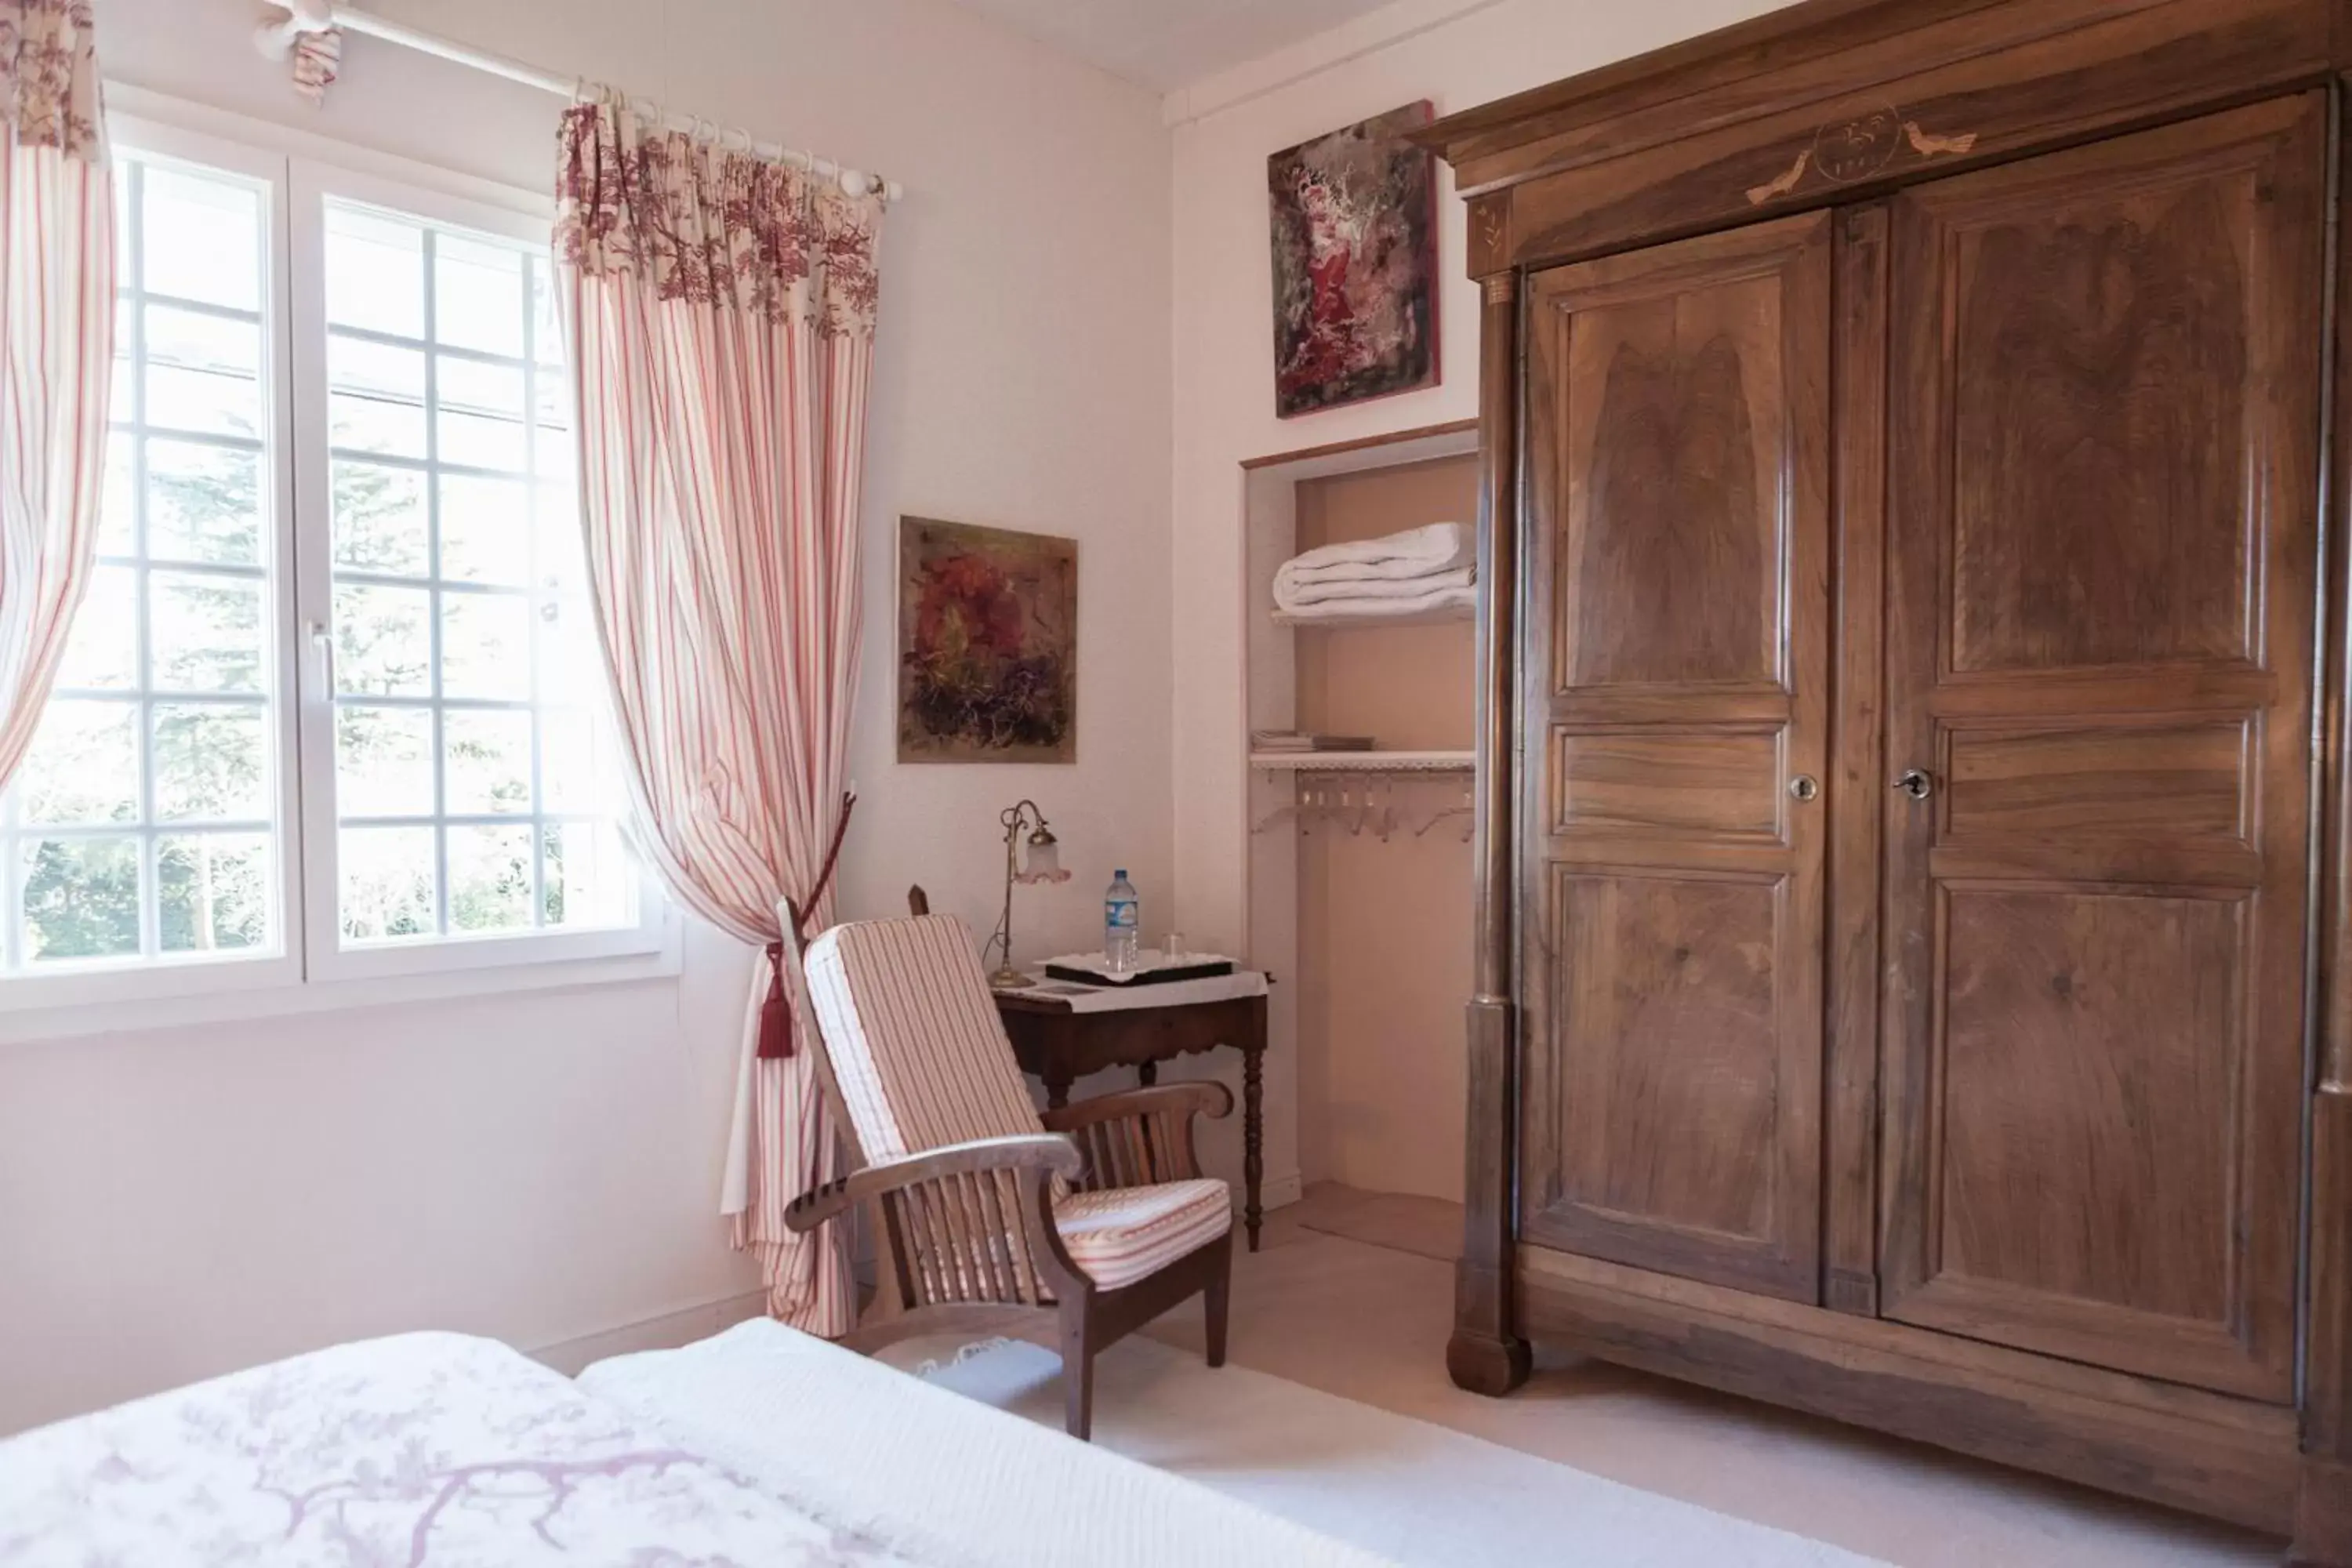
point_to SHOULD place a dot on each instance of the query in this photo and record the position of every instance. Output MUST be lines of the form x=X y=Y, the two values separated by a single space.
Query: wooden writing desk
x=1062 y=1046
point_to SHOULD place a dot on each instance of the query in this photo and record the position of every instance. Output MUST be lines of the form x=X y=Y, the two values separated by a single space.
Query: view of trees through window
x=468 y=763
x=469 y=774
x=143 y=820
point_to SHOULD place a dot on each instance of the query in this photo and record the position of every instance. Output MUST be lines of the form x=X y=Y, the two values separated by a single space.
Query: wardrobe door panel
x=2103 y=409
x=1675 y=677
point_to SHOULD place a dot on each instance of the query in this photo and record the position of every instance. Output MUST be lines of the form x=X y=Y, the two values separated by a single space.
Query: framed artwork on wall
x=988 y=644
x=1355 y=263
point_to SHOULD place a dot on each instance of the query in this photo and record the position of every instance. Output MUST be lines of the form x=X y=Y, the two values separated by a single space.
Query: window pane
x=376 y=398
x=478 y=298
x=485 y=531
x=81 y=898
x=481 y=423
x=555 y=453
x=383 y=762
x=118 y=504
x=574 y=765
x=202 y=238
x=588 y=877
x=122 y=385
x=212 y=761
x=388 y=883
x=203 y=373
x=203 y=503
x=480 y=509
x=489 y=877
x=375 y=271
x=102 y=649
x=213 y=891
x=126 y=255
x=166 y=709
x=486 y=646
x=487 y=761
x=383 y=641
x=547 y=326
x=206 y=632
x=380 y=520
x=561 y=544
x=83 y=765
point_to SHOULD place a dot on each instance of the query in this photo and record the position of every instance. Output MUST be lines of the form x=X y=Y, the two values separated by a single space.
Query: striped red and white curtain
x=722 y=314
x=57 y=344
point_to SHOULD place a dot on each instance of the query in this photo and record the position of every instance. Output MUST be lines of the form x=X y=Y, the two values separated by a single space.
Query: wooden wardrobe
x=1912 y=976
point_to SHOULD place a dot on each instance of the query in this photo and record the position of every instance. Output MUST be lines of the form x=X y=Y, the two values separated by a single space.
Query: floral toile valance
x=711 y=225
x=48 y=75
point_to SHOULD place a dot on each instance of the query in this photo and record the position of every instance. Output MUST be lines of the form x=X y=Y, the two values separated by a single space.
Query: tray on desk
x=1191 y=967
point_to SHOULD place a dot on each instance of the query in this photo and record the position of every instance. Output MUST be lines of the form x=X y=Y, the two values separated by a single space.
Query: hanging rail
x=274 y=38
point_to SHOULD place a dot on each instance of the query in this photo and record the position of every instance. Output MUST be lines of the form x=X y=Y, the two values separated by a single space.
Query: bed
x=761 y=1447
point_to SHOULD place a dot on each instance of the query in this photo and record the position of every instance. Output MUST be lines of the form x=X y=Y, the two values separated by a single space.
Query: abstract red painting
x=988 y=645
x=1355 y=263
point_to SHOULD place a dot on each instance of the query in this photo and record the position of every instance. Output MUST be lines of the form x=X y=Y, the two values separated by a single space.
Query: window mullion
x=433 y=599
x=539 y=600
x=151 y=881
x=288 y=870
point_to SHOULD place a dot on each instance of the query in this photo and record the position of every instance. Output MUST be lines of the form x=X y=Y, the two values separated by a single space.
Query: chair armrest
x=1045 y=1151
x=1202 y=1098
x=1142 y=1136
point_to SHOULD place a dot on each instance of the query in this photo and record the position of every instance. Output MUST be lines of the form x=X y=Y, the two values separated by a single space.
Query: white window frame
x=311 y=970
x=314 y=184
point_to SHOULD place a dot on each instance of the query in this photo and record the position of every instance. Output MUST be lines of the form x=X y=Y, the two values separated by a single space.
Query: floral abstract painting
x=988 y=645
x=1355 y=263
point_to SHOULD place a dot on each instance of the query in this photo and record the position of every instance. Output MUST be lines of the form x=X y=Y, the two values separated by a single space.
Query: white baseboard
x=666 y=1332
x=1278 y=1191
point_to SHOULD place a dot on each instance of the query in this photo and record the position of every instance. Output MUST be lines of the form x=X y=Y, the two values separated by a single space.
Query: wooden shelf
x=1370 y=623
x=1365 y=761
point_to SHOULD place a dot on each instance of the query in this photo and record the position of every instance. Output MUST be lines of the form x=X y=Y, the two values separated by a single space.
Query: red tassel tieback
x=775 y=1013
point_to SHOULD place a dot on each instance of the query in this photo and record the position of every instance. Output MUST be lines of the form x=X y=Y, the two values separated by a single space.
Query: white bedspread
x=761 y=1448
x=951 y=1480
x=425 y=1448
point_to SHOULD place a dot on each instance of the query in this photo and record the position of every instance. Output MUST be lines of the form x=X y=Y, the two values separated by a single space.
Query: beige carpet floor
x=1369 y=1322
x=1415 y=1493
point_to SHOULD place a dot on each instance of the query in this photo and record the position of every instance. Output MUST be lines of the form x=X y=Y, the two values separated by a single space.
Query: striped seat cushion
x=913 y=1036
x=1120 y=1235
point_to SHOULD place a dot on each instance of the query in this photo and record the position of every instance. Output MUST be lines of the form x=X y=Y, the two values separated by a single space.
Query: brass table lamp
x=1043 y=865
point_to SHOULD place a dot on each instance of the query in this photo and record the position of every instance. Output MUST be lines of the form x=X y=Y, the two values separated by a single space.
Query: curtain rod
x=274 y=39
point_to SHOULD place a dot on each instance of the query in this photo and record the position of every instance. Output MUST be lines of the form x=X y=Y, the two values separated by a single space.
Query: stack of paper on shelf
x=1293 y=740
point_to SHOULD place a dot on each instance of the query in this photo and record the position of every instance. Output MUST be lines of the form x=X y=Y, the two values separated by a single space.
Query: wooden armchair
x=1072 y=1236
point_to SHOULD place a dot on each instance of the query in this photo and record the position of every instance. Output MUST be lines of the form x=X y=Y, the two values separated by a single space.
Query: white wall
x=1460 y=53
x=545 y=1166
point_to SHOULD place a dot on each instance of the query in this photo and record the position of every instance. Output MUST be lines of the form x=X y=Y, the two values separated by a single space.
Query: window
x=146 y=822
x=332 y=705
x=468 y=763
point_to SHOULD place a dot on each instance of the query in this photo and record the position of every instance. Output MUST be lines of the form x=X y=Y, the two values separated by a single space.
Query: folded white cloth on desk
x=1415 y=552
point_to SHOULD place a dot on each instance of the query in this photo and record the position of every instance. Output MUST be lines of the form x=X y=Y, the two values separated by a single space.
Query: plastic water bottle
x=1123 y=923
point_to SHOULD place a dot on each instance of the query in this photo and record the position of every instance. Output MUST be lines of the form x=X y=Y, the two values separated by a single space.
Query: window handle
x=323 y=649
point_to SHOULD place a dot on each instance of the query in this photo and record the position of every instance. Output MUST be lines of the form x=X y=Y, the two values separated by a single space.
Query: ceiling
x=1168 y=44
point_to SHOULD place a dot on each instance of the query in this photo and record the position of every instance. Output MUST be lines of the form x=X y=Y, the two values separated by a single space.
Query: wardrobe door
x=1673 y=715
x=2103 y=413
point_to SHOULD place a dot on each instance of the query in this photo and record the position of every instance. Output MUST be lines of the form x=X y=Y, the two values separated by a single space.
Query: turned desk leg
x=1147 y=1073
x=1057 y=1091
x=1252 y=1139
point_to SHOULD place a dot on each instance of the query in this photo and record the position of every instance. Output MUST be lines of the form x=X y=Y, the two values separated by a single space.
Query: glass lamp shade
x=1043 y=862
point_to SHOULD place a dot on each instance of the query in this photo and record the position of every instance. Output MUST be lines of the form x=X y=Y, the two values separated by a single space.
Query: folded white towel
x=1300 y=595
x=1438 y=547
x=1382 y=608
